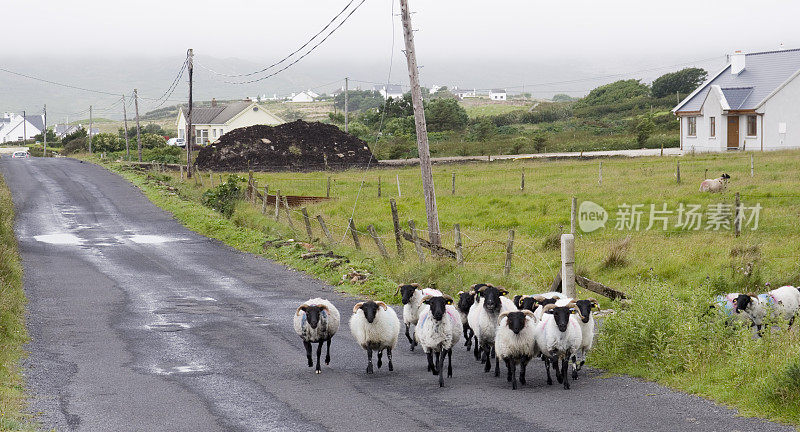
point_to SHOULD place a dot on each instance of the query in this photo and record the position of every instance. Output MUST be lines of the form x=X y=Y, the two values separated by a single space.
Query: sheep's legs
x=557 y=368
x=512 y=369
x=484 y=355
x=319 y=352
x=308 y=353
x=440 y=366
x=547 y=368
x=508 y=367
x=523 y=365
x=369 y=365
x=496 y=366
x=450 y=363
x=328 y=352
x=431 y=366
x=574 y=361
x=467 y=337
x=439 y=355
x=389 y=357
x=477 y=352
x=380 y=359
x=564 y=371
x=410 y=339
x=487 y=354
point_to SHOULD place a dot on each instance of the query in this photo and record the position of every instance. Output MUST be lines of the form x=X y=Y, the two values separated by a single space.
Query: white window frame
x=712 y=127
x=747 y=126
x=691 y=126
x=201 y=136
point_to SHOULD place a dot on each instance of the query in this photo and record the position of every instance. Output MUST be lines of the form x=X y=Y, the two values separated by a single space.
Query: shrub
x=617 y=253
x=106 y=142
x=153 y=141
x=76 y=145
x=223 y=198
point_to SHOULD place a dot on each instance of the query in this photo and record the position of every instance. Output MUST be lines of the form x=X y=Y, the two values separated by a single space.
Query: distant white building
x=305 y=96
x=498 y=95
x=14 y=127
x=62 y=130
x=464 y=93
x=393 y=91
x=751 y=104
x=212 y=122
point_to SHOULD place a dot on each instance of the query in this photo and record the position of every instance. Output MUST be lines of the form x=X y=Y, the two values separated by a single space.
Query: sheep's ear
x=398 y=290
x=302 y=308
x=503 y=291
x=448 y=298
x=516 y=300
x=382 y=304
x=357 y=306
x=323 y=307
x=595 y=303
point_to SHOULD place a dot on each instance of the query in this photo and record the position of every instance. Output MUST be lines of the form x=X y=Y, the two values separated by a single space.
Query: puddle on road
x=168 y=327
x=151 y=239
x=187 y=370
x=59 y=239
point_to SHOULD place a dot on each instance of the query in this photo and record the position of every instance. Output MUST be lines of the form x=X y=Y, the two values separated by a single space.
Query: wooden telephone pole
x=91 y=124
x=44 y=132
x=189 y=139
x=138 y=129
x=24 y=128
x=125 y=118
x=421 y=127
x=346 y=80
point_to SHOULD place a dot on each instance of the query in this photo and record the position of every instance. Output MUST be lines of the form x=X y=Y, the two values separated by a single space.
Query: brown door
x=733 y=132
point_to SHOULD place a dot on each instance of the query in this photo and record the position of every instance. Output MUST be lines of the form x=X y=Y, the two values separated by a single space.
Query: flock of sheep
x=783 y=302
x=549 y=325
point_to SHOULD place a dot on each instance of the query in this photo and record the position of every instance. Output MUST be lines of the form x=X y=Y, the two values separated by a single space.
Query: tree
x=561 y=97
x=617 y=91
x=358 y=100
x=78 y=133
x=682 y=81
x=107 y=142
x=51 y=136
x=445 y=114
x=644 y=128
x=153 y=141
x=485 y=129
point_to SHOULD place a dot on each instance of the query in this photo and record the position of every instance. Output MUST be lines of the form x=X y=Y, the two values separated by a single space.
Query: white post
x=568 y=265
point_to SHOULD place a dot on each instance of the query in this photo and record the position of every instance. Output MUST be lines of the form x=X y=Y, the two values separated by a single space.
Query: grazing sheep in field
x=438 y=330
x=558 y=337
x=375 y=327
x=412 y=299
x=783 y=302
x=316 y=321
x=715 y=185
x=465 y=302
x=515 y=342
x=493 y=302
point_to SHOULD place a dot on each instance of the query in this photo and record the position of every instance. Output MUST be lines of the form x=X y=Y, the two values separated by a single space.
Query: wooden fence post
x=398 y=238
x=264 y=201
x=181 y=172
x=459 y=252
x=413 y=227
x=198 y=176
x=568 y=265
x=737 y=217
x=328 y=190
x=277 y=205
x=453 y=191
x=379 y=186
x=254 y=193
x=288 y=212
x=399 y=193
x=522 y=182
x=573 y=215
x=308 y=224
x=250 y=185
x=509 y=253
x=601 y=173
x=324 y=228
x=706 y=175
x=752 y=168
x=378 y=242
x=678 y=172
x=353 y=231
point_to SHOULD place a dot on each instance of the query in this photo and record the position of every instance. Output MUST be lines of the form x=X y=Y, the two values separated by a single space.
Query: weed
x=617 y=253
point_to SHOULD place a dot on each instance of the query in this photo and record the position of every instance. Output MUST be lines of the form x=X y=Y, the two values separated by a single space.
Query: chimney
x=737 y=62
x=213 y=102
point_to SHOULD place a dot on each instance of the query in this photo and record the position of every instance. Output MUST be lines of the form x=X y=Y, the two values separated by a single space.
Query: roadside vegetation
x=667 y=333
x=13 y=333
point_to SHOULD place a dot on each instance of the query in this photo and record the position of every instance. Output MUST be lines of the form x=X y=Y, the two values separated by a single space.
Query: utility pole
x=189 y=118
x=125 y=118
x=346 y=79
x=24 y=128
x=44 y=132
x=90 y=129
x=138 y=129
x=421 y=127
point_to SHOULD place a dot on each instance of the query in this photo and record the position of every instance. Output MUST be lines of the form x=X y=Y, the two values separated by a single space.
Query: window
x=202 y=136
x=752 y=126
x=712 y=121
x=181 y=133
x=691 y=126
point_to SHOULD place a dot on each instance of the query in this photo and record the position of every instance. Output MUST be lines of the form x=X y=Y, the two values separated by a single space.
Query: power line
x=288 y=56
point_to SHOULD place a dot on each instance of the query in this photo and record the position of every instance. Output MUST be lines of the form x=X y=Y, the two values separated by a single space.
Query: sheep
x=558 y=337
x=493 y=302
x=438 y=330
x=465 y=302
x=715 y=185
x=515 y=342
x=316 y=321
x=535 y=303
x=783 y=302
x=412 y=299
x=375 y=327
x=586 y=324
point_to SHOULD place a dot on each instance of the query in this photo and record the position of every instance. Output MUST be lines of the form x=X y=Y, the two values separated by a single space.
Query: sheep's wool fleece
x=328 y=322
x=510 y=345
x=550 y=338
x=411 y=309
x=439 y=335
x=380 y=334
x=487 y=323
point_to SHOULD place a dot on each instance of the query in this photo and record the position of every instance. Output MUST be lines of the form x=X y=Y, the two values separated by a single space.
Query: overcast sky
x=461 y=42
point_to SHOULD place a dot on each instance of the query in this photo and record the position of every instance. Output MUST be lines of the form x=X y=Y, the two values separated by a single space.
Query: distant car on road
x=180 y=142
x=20 y=155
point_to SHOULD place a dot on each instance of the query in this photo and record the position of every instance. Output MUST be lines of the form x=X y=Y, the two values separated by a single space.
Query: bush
x=153 y=141
x=446 y=114
x=76 y=145
x=223 y=198
x=106 y=142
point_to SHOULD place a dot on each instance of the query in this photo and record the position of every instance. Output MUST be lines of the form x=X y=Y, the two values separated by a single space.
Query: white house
x=14 y=127
x=305 y=96
x=751 y=104
x=212 y=122
x=464 y=93
x=497 y=95
x=393 y=91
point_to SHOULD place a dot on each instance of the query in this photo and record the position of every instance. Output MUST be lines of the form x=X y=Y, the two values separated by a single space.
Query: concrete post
x=568 y=265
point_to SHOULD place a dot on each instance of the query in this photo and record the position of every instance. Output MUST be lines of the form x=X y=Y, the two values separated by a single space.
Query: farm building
x=497 y=95
x=305 y=96
x=749 y=105
x=389 y=91
x=14 y=127
x=464 y=93
x=212 y=122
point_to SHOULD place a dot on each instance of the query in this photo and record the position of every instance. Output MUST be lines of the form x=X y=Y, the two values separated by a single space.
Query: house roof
x=764 y=73
x=219 y=114
x=498 y=91
x=36 y=120
x=391 y=88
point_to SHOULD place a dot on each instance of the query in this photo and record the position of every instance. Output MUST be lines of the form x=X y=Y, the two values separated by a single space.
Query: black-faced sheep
x=558 y=336
x=411 y=297
x=715 y=185
x=515 y=342
x=375 y=327
x=782 y=302
x=438 y=330
x=465 y=302
x=316 y=321
x=493 y=302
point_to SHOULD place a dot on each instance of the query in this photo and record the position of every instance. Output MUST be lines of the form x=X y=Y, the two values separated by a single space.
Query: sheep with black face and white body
x=375 y=327
x=782 y=302
x=465 y=302
x=472 y=317
x=515 y=342
x=535 y=303
x=316 y=321
x=715 y=185
x=411 y=297
x=586 y=322
x=558 y=337
x=493 y=303
x=438 y=330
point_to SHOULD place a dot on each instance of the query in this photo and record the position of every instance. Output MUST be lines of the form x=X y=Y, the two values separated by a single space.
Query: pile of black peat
x=295 y=146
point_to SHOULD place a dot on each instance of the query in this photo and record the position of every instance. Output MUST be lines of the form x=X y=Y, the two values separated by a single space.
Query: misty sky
x=513 y=41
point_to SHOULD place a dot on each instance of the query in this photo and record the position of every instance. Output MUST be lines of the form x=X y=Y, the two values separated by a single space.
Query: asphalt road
x=139 y=324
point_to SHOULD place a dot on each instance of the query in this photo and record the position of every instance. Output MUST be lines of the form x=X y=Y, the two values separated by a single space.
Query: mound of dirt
x=295 y=146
